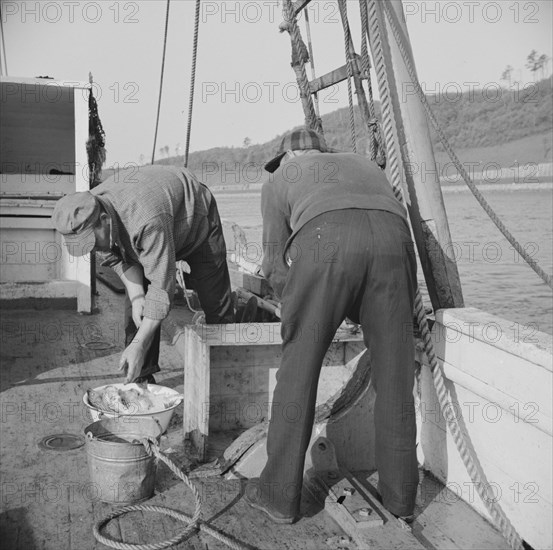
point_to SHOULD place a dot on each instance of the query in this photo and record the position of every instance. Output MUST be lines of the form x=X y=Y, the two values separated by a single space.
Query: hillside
x=484 y=126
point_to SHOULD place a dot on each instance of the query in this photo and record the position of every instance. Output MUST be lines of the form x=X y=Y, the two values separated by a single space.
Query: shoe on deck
x=406 y=519
x=252 y=496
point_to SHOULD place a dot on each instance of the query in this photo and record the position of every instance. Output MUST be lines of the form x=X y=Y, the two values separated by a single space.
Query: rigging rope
x=545 y=277
x=358 y=73
x=300 y=56
x=192 y=81
x=392 y=156
x=161 y=78
x=376 y=145
x=347 y=40
x=446 y=405
x=3 y=44
x=311 y=60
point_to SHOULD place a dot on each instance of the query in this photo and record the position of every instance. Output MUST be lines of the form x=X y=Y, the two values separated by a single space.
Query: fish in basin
x=134 y=400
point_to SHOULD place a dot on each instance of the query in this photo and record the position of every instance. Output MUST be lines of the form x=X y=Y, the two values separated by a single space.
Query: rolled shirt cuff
x=156 y=304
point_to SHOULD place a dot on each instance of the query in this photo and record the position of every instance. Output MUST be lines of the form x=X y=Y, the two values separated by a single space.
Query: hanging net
x=95 y=145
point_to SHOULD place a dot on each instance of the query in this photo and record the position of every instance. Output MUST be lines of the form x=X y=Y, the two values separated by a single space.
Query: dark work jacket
x=306 y=186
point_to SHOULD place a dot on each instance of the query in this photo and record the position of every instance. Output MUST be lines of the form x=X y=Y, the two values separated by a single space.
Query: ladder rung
x=336 y=76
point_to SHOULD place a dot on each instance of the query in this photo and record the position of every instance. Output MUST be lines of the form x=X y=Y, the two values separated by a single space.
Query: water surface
x=494 y=277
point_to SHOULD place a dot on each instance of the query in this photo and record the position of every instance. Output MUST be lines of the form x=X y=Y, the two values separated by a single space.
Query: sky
x=245 y=87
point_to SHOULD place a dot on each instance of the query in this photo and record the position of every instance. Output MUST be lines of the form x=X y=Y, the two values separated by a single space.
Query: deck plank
x=47 y=499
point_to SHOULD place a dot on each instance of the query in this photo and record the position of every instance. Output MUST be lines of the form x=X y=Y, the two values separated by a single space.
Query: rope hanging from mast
x=546 y=278
x=192 y=81
x=300 y=56
x=453 y=422
x=347 y=40
x=311 y=60
x=3 y=46
x=161 y=79
x=392 y=157
x=359 y=68
x=376 y=143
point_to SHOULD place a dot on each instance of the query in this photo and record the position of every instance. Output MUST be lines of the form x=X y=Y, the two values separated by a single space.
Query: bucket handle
x=158 y=424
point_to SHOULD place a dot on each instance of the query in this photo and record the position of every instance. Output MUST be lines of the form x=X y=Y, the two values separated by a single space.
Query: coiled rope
x=469 y=461
x=194 y=522
x=399 y=38
x=192 y=81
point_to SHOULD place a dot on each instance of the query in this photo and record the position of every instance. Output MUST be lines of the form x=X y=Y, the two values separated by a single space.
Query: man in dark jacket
x=146 y=221
x=337 y=244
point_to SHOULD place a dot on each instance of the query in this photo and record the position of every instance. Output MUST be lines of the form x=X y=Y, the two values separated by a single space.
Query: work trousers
x=358 y=264
x=209 y=277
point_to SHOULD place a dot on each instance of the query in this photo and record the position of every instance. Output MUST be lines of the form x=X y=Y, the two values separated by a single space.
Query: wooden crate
x=229 y=376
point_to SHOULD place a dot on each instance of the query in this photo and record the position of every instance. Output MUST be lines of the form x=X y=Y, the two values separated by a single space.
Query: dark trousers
x=358 y=264
x=210 y=279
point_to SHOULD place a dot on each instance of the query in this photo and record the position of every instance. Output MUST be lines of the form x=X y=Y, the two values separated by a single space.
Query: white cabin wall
x=44 y=132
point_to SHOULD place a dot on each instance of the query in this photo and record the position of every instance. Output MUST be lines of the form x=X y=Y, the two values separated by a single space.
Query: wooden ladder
x=352 y=68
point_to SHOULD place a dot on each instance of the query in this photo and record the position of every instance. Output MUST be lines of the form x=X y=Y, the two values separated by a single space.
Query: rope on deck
x=194 y=522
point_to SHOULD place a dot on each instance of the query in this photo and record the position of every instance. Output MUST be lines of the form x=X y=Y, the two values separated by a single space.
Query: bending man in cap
x=145 y=223
x=337 y=244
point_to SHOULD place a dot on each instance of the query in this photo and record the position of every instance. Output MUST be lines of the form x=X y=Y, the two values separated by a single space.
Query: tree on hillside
x=506 y=75
x=141 y=158
x=544 y=63
x=247 y=142
x=536 y=63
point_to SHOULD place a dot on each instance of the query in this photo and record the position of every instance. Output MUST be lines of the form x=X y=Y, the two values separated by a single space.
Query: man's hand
x=138 y=310
x=132 y=360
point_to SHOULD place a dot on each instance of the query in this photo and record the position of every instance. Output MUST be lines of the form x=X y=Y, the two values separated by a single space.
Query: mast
x=409 y=129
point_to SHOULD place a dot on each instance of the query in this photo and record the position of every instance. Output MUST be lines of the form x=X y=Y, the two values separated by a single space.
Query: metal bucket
x=121 y=471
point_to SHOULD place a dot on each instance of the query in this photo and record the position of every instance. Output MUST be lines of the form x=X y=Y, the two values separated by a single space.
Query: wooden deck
x=48 y=501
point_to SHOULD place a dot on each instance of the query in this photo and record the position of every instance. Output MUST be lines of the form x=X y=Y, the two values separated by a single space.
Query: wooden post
x=426 y=208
